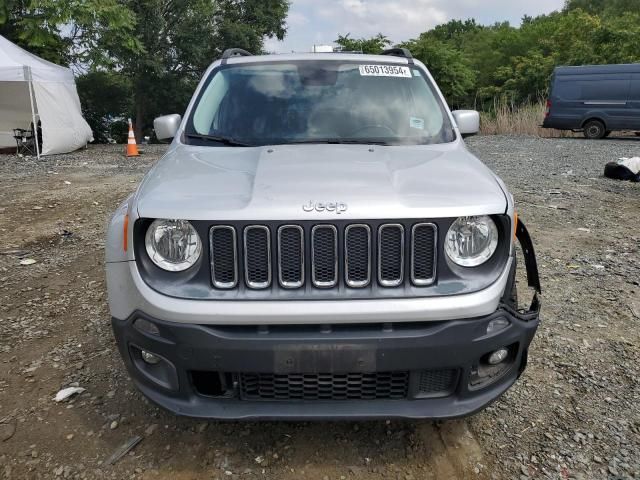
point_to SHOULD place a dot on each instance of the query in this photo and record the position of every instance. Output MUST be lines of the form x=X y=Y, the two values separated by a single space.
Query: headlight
x=173 y=245
x=471 y=240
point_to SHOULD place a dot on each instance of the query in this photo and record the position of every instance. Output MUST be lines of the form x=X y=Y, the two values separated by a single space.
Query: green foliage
x=105 y=98
x=476 y=64
x=179 y=39
x=373 y=45
x=447 y=64
x=17 y=23
x=455 y=31
x=606 y=7
x=156 y=50
x=66 y=31
x=145 y=57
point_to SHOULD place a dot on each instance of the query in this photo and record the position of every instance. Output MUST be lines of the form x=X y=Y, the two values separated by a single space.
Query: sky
x=318 y=22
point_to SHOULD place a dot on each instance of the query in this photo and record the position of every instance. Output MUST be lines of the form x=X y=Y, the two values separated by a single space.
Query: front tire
x=594 y=130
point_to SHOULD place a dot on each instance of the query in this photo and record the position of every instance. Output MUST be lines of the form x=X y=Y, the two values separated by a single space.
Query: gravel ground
x=575 y=413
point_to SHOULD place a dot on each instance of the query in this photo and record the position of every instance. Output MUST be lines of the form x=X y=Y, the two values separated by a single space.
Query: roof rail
x=234 y=52
x=399 y=52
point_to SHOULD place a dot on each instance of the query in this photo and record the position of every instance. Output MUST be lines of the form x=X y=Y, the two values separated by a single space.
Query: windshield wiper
x=217 y=138
x=337 y=141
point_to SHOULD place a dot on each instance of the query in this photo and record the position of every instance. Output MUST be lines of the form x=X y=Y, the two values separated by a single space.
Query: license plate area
x=324 y=358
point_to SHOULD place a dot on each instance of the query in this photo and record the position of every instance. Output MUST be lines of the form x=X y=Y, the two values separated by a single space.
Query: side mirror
x=468 y=122
x=167 y=126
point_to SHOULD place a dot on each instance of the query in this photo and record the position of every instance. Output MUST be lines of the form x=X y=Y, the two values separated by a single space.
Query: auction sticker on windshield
x=385 y=71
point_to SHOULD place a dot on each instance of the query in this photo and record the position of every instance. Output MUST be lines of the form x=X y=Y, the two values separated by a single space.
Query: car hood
x=272 y=183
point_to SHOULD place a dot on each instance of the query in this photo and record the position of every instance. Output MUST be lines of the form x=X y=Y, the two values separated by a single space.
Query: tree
x=106 y=99
x=618 y=40
x=455 y=31
x=606 y=7
x=66 y=31
x=373 y=45
x=525 y=79
x=449 y=67
x=180 y=39
x=161 y=47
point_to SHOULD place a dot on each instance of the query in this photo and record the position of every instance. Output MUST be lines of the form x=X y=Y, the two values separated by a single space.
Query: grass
x=511 y=119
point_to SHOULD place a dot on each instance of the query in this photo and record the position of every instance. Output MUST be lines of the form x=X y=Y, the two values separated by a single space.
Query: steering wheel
x=371 y=127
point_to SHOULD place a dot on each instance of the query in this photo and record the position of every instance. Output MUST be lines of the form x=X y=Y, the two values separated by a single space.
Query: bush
x=511 y=119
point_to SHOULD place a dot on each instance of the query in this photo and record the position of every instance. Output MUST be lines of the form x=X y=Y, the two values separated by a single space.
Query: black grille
x=391 y=255
x=291 y=256
x=324 y=261
x=423 y=253
x=224 y=271
x=437 y=383
x=257 y=250
x=353 y=256
x=358 y=255
x=324 y=386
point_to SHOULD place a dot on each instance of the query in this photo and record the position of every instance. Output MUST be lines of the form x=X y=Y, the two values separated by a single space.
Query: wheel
x=594 y=130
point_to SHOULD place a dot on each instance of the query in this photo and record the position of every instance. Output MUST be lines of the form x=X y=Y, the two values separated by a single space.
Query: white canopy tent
x=35 y=92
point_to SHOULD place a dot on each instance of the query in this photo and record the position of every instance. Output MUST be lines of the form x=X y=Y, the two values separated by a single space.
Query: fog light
x=497 y=324
x=150 y=358
x=496 y=357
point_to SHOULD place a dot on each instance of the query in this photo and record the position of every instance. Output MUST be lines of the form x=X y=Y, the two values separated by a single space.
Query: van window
x=596 y=88
x=568 y=90
x=605 y=90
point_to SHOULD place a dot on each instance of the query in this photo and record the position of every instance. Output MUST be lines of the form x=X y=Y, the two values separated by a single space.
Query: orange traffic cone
x=132 y=148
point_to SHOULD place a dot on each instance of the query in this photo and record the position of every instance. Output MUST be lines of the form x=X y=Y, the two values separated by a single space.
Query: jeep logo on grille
x=337 y=207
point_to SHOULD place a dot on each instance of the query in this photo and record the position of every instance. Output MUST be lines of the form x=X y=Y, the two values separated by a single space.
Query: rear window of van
x=596 y=88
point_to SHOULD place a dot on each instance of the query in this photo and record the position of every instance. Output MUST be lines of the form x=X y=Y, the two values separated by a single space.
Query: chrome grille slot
x=390 y=255
x=291 y=256
x=257 y=256
x=324 y=256
x=357 y=253
x=423 y=258
x=224 y=260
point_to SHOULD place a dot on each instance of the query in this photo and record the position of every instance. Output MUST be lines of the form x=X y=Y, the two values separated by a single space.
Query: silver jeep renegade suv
x=318 y=242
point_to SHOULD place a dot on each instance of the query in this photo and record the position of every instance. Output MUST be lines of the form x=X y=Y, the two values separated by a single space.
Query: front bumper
x=231 y=352
x=323 y=371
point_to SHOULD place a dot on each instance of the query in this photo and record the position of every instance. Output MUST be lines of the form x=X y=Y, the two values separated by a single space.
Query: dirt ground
x=575 y=413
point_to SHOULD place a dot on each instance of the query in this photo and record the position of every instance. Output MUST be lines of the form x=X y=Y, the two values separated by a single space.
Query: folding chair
x=25 y=142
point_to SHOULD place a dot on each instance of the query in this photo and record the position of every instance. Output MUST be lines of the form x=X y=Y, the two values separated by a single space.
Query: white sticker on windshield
x=415 y=122
x=385 y=71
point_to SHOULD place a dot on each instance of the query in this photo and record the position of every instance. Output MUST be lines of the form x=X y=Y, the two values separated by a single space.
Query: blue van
x=594 y=99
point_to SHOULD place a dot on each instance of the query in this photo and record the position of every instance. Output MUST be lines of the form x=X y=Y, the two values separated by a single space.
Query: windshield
x=318 y=102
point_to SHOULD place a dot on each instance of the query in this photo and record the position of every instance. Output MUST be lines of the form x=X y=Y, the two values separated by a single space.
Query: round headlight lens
x=471 y=240
x=173 y=245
